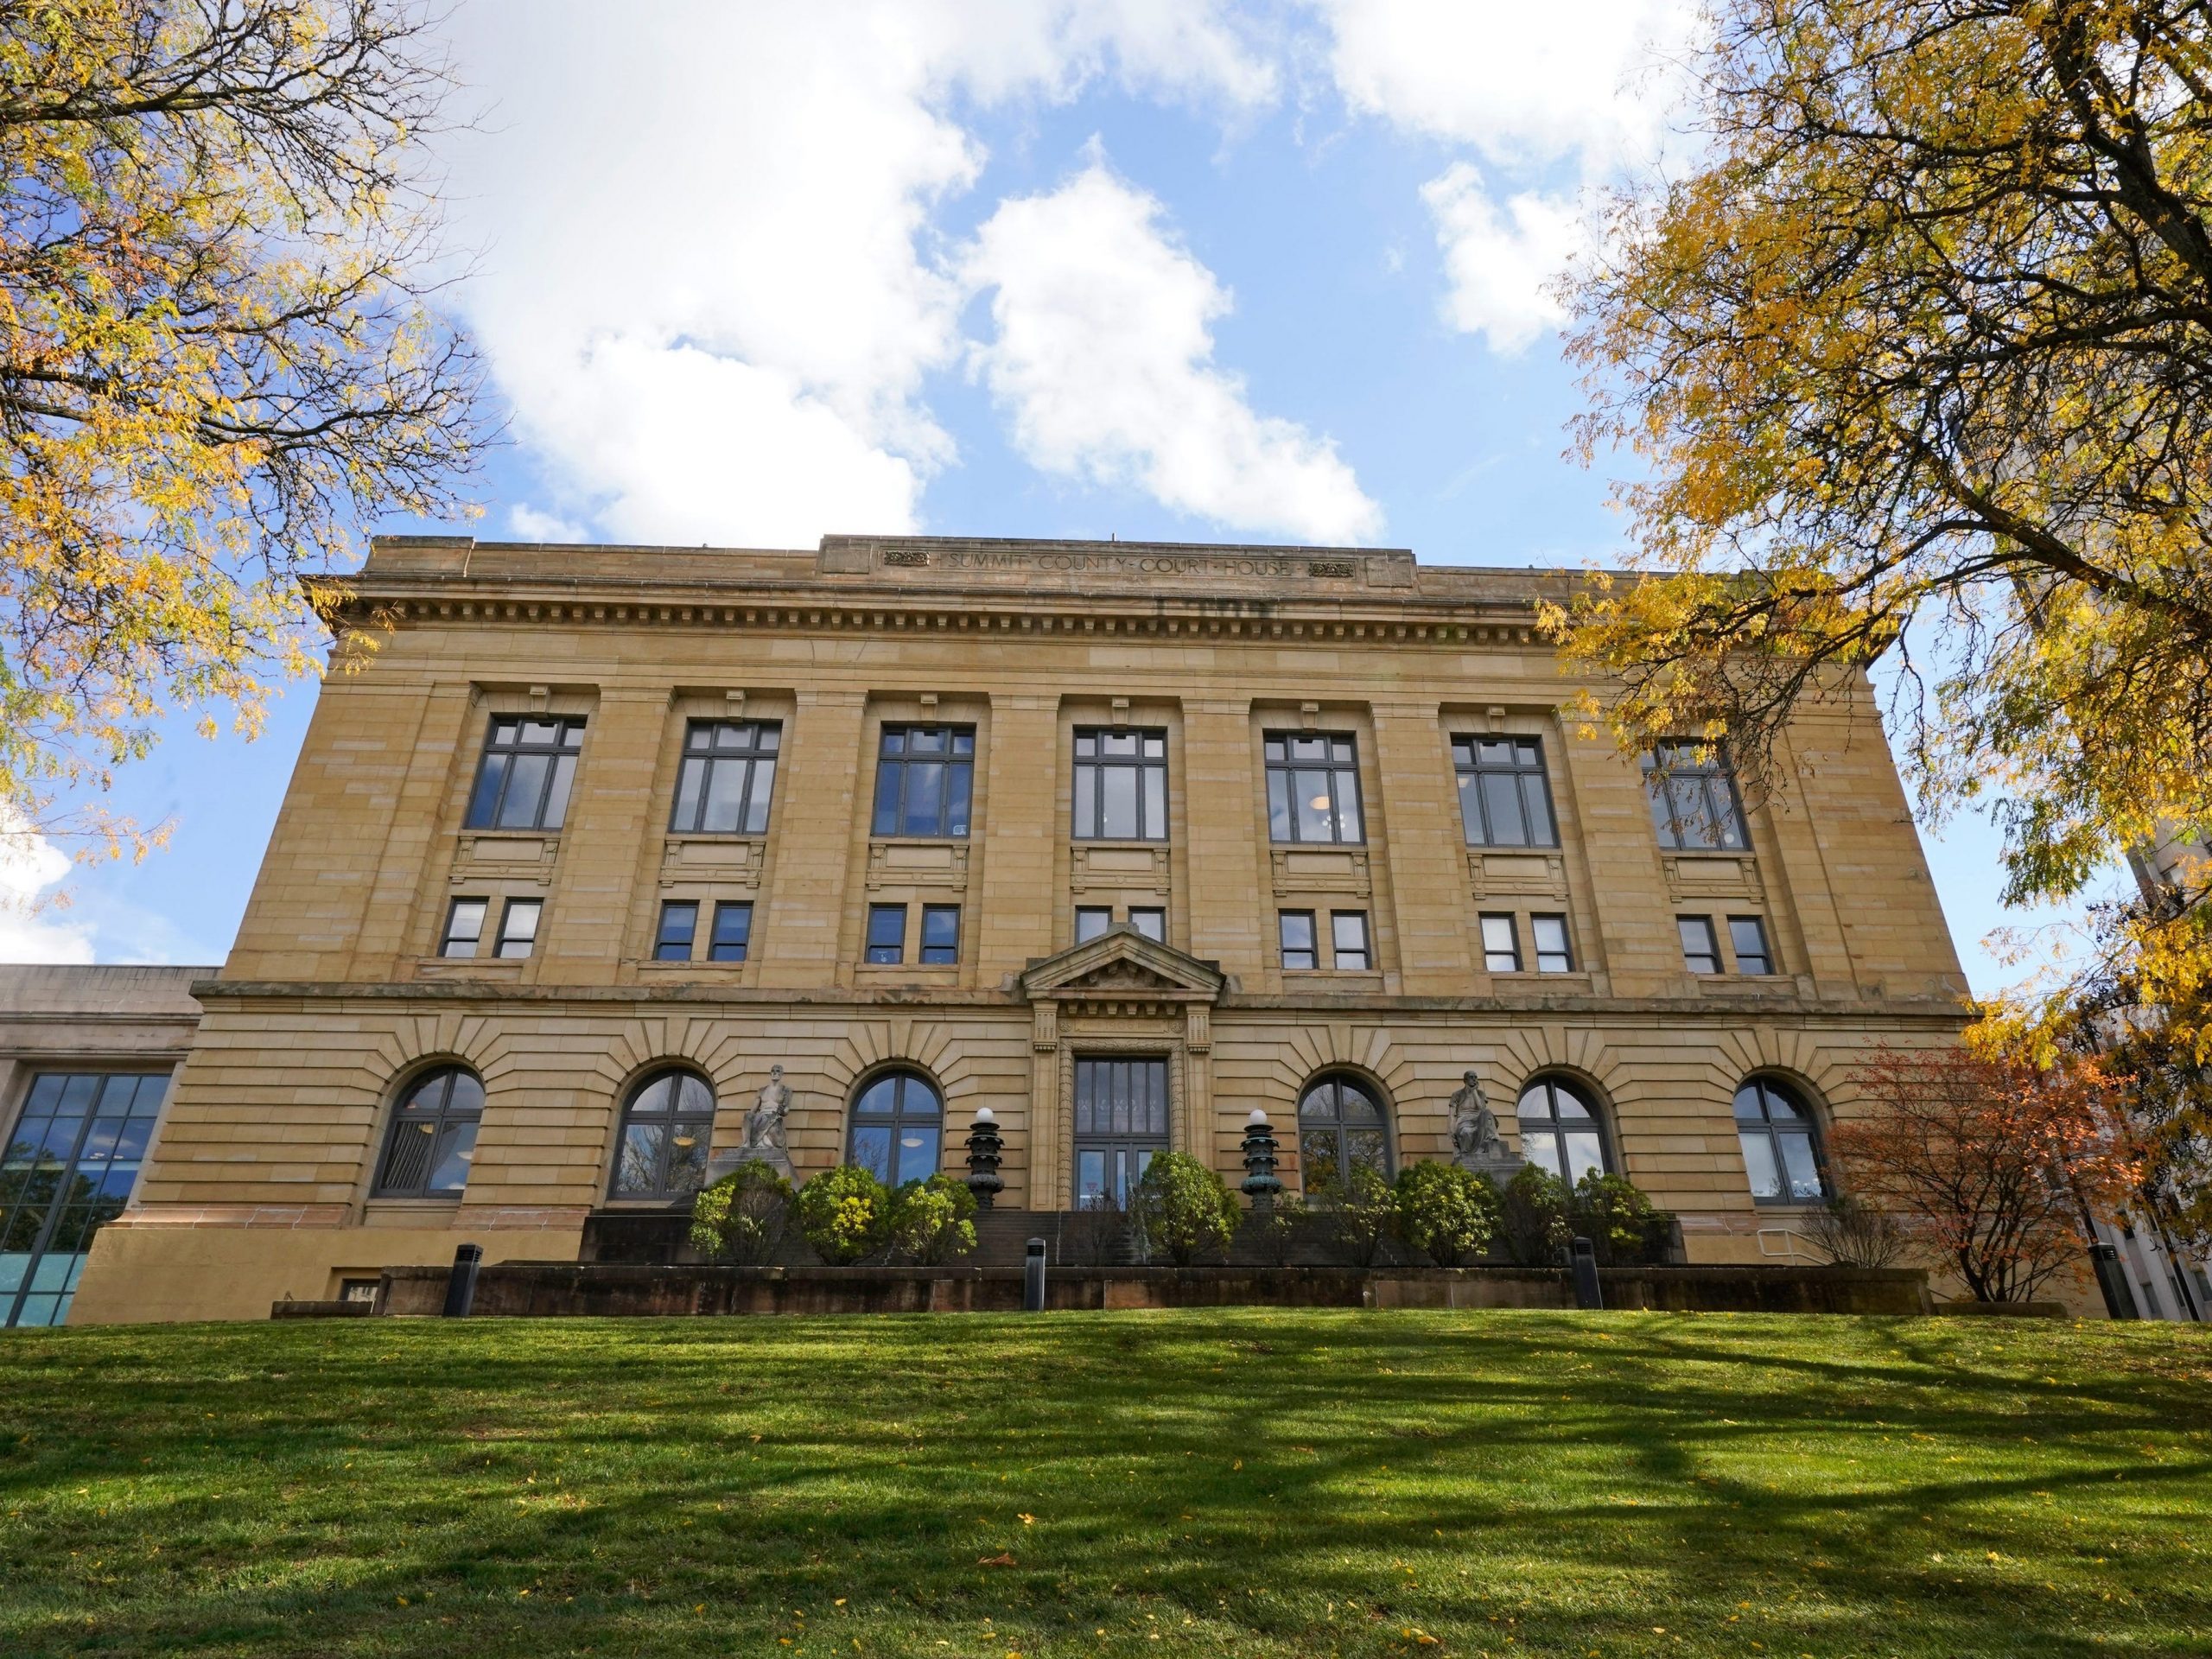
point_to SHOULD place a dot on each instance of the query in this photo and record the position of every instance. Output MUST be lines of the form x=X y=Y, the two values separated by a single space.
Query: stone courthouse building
x=1123 y=841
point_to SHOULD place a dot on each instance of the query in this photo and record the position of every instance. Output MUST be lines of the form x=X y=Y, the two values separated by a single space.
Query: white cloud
x=33 y=926
x=1500 y=264
x=1552 y=99
x=1103 y=359
x=705 y=284
x=533 y=524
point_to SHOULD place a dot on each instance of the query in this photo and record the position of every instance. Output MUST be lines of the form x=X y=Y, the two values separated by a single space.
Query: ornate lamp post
x=1261 y=1184
x=984 y=1146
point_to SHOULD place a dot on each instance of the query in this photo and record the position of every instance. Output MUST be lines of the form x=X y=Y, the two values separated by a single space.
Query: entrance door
x=1120 y=1119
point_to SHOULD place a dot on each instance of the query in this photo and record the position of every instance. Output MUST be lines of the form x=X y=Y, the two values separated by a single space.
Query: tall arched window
x=898 y=1122
x=1781 y=1148
x=1340 y=1128
x=666 y=1127
x=433 y=1136
x=1560 y=1131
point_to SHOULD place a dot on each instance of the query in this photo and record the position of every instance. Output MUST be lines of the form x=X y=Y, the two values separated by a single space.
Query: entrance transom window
x=1121 y=1121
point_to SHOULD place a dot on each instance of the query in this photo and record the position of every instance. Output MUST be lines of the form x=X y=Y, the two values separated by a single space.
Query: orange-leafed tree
x=1992 y=1164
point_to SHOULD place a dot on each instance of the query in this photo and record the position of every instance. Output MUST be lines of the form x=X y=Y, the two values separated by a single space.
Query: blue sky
x=1153 y=268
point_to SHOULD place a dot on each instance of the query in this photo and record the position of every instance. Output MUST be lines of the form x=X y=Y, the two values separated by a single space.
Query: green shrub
x=1532 y=1217
x=1613 y=1213
x=845 y=1214
x=1447 y=1213
x=1271 y=1234
x=933 y=1221
x=1362 y=1216
x=743 y=1217
x=1183 y=1208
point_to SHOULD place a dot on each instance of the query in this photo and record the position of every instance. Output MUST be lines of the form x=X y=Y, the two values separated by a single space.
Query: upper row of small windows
x=925 y=784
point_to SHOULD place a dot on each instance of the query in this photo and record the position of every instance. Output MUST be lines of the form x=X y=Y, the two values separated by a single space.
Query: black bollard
x=461 y=1288
x=1032 y=1278
x=1587 y=1291
x=2112 y=1279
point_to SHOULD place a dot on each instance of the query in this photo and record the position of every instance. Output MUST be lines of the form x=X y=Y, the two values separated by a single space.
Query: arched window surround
x=1786 y=1155
x=663 y=1133
x=1331 y=1139
x=1556 y=1141
x=429 y=1139
x=894 y=1123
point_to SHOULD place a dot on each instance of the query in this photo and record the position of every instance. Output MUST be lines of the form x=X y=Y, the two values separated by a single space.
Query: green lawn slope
x=1253 y=1482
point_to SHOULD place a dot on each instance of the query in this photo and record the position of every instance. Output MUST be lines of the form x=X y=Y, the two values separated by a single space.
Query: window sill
x=1781 y=984
x=664 y=966
x=491 y=967
x=1362 y=978
x=907 y=969
x=1573 y=980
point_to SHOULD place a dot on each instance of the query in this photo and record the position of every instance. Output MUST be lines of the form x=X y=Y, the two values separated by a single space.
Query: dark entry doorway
x=1121 y=1120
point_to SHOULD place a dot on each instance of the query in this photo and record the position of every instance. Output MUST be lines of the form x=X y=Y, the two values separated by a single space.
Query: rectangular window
x=518 y=927
x=1501 y=945
x=1152 y=923
x=1296 y=930
x=729 y=772
x=886 y=932
x=70 y=1166
x=1120 y=785
x=1554 y=956
x=1348 y=941
x=679 y=926
x=464 y=928
x=1692 y=793
x=732 y=934
x=1747 y=938
x=1091 y=920
x=523 y=782
x=1506 y=800
x=924 y=777
x=940 y=933
x=1700 y=951
x=1312 y=787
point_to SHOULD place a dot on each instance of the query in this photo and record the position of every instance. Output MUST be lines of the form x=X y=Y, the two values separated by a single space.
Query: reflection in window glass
x=1295 y=928
x=940 y=933
x=667 y=1131
x=729 y=773
x=1782 y=1153
x=464 y=928
x=1552 y=954
x=733 y=935
x=887 y=933
x=1348 y=941
x=1312 y=787
x=1152 y=922
x=1747 y=938
x=1700 y=951
x=1693 y=795
x=1091 y=920
x=518 y=927
x=523 y=780
x=1340 y=1127
x=924 y=778
x=898 y=1121
x=679 y=924
x=69 y=1165
x=1120 y=785
x=1560 y=1133
x=1504 y=798
x=433 y=1137
x=1501 y=945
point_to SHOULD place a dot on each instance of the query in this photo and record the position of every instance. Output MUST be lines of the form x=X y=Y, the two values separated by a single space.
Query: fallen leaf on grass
x=1004 y=1558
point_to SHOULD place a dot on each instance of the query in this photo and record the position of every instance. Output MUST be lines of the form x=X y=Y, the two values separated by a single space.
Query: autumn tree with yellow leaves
x=1916 y=359
x=219 y=355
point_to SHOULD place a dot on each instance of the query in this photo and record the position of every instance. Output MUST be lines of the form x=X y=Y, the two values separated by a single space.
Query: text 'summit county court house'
x=1123 y=841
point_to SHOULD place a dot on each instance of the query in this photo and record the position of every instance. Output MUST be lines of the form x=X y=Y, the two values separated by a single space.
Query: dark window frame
x=439 y=1118
x=1717 y=808
x=1552 y=1084
x=755 y=759
x=509 y=912
x=737 y=950
x=1282 y=765
x=1764 y=955
x=1764 y=1087
x=870 y=946
x=1566 y=952
x=897 y=762
x=903 y=1079
x=448 y=937
x=949 y=954
x=1529 y=786
x=1691 y=957
x=664 y=943
x=1342 y=1127
x=1366 y=950
x=1513 y=938
x=506 y=748
x=673 y=1110
x=1090 y=779
x=1311 y=949
x=1158 y=912
x=1102 y=915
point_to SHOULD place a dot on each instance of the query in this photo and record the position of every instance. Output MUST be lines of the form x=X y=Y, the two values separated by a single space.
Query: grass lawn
x=1253 y=1482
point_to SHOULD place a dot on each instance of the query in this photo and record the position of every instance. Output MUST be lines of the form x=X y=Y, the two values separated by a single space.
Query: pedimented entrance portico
x=1119 y=995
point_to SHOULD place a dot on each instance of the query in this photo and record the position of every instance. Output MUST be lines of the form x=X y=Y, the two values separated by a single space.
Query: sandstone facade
x=337 y=1000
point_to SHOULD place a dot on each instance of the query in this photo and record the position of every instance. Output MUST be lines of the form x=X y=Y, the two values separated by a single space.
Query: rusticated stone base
x=544 y=1289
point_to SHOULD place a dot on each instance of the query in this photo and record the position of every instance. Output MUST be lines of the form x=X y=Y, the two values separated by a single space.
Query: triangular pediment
x=1121 y=962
